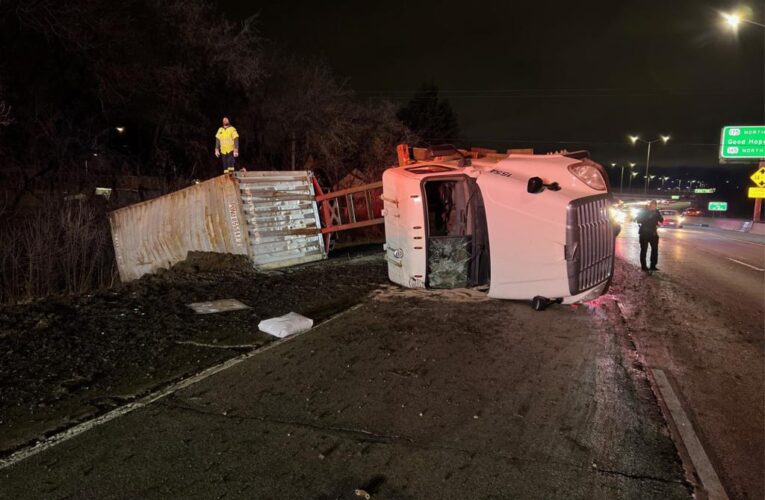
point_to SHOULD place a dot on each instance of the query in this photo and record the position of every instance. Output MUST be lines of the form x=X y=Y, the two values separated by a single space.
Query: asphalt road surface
x=701 y=318
x=425 y=394
x=410 y=395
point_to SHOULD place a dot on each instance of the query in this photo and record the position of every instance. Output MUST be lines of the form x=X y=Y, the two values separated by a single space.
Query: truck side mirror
x=536 y=185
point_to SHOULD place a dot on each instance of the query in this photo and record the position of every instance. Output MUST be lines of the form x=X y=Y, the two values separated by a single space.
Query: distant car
x=665 y=202
x=692 y=212
x=672 y=218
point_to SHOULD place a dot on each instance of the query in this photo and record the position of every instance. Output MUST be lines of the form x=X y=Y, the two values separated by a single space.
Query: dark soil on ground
x=66 y=359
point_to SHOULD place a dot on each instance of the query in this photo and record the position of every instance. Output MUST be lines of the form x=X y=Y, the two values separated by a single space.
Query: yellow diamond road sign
x=759 y=177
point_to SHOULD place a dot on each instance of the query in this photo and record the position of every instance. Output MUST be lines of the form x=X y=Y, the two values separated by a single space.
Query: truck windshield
x=457 y=242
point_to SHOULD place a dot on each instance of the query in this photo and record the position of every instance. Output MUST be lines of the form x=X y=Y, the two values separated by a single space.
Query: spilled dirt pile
x=68 y=358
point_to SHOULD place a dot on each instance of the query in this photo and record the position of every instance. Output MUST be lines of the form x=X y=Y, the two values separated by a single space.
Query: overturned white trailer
x=527 y=226
x=275 y=218
x=271 y=217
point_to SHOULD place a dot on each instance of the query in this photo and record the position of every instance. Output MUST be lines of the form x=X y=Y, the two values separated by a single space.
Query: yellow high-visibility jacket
x=227 y=140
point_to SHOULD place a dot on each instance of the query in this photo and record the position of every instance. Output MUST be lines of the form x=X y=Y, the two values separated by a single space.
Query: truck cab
x=527 y=226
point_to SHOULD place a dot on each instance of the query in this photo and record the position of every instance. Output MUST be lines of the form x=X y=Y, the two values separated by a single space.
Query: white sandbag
x=286 y=325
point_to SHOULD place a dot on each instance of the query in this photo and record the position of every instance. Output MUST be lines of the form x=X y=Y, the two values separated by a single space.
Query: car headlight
x=617 y=215
x=588 y=174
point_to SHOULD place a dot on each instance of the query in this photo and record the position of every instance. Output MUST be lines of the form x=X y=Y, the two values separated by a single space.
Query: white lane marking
x=704 y=469
x=745 y=264
x=78 y=429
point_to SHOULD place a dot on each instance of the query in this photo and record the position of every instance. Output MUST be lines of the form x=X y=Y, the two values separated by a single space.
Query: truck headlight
x=588 y=174
x=617 y=215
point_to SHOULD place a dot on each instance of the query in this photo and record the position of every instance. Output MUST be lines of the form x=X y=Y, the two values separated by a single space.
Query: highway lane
x=709 y=261
x=701 y=319
x=414 y=394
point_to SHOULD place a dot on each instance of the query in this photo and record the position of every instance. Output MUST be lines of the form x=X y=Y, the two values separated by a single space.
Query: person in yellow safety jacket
x=227 y=145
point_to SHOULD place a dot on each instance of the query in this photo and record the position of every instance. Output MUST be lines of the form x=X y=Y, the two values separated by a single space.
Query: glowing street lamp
x=635 y=139
x=632 y=176
x=734 y=19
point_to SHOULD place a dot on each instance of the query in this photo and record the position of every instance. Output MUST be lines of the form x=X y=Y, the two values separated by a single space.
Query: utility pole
x=758 y=202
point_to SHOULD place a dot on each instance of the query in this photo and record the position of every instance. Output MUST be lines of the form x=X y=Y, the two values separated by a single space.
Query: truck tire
x=540 y=303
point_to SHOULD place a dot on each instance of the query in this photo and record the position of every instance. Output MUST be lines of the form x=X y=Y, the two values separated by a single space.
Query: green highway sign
x=704 y=190
x=675 y=196
x=746 y=142
x=718 y=206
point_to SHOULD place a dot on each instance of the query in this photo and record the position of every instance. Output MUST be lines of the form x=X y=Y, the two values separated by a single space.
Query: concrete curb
x=739 y=225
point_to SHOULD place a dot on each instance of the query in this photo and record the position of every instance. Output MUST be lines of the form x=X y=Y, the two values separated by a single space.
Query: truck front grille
x=589 y=243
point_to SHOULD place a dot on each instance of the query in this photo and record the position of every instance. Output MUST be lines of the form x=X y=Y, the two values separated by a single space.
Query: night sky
x=548 y=75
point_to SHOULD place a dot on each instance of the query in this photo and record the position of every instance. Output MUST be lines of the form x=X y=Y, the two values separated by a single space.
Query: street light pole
x=632 y=176
x=621 y=180
x=733 y=20
x=621 y=177
x=635 y=139
x=647 y=161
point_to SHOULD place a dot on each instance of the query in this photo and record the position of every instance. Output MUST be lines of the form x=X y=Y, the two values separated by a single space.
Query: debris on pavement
x=216 y=306
x=362 y=494
x=284 y=326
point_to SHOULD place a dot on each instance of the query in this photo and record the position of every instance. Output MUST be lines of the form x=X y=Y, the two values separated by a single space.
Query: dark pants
x=645 y=240
x=228 y=160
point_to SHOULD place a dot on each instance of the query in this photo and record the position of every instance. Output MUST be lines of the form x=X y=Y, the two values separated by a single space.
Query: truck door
x=527 y=234
x=456 y=237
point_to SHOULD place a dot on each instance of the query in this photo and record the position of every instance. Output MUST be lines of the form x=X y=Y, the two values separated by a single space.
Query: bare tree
x=6 y=118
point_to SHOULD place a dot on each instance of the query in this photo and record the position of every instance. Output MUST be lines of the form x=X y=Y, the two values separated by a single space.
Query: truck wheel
x=539 y=303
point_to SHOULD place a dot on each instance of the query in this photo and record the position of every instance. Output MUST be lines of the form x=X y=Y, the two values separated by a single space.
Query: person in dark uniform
x=649 y=220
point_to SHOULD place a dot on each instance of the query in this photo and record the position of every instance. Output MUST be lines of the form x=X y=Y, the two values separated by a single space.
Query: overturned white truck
x=533 y=227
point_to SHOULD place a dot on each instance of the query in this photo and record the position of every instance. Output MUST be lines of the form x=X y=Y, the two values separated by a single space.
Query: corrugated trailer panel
x=282 y=218
x=159 y=233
